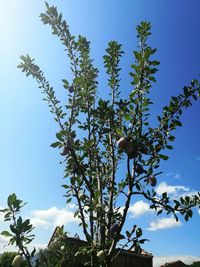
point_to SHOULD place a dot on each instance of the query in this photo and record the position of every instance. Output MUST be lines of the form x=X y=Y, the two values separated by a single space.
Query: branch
x=82 y=216
x=174 y=110
x=127 y=204
x=30 y=68
x=82 y=172
x=181 y=209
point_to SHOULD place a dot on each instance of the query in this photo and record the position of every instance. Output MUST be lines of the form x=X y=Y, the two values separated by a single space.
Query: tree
x=60 y=253
x=99 y=136
x=6 y=259
x=20 y=230
x=195 y=264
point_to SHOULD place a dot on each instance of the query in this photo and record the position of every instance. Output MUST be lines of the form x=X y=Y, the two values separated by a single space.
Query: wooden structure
x=131 y=259
x=124 y=259
x=174 y=264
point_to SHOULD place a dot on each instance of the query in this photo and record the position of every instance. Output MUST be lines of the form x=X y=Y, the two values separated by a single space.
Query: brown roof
x=174 y=264
x=54 y=234
x=78 y=241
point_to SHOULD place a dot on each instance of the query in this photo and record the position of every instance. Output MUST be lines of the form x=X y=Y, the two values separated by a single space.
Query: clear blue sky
x=29 y=167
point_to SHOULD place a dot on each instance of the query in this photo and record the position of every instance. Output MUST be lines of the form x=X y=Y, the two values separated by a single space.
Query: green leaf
x=59 y=136
x=8 y=215
x=138 y=186
x=169 y=147
x=164 y=195
x=19 y=221
x=6 y=233
x=171 y=138
x=4 y=210
x=164 y=157
x=69 y=200
x=190 y=213
x=154 y=63
x=14 y=229
x=137 y=55
x=56 y=144
x=138 y=232
x=194 y=97
x=65 y=84
x=128 y=234
x=76 y=213
x=127 y=117
x=26 y=224
x=141 y=241
x=65 y=186
x=11 y=199
x=159 y=212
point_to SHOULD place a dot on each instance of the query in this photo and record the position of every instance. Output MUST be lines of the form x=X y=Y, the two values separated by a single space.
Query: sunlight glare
x=13 y=18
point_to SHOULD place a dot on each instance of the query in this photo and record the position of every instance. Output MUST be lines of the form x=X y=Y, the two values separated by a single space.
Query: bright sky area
x=31 y=169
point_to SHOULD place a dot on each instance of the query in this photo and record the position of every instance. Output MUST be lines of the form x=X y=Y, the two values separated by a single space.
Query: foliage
x=20 y=230
x=101 y=138
x=6 y=259
x=59 y=253
x=195 y=264
x=92 y=158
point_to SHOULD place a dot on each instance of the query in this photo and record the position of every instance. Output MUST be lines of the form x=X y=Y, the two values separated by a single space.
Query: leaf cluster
x=20 y=233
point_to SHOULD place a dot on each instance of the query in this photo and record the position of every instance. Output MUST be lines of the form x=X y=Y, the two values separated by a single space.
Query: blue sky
x=29 y=167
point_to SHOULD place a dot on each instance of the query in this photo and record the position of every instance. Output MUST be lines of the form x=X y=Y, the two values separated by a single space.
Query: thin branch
x=82 y=215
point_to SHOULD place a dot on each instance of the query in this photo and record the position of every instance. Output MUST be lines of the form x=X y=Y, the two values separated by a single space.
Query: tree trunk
x=107 y=263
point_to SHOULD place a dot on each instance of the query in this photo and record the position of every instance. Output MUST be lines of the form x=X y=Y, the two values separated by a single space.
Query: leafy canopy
x=101 y=138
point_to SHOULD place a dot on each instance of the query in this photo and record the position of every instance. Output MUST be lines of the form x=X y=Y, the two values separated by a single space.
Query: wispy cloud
x=168 y=174
x=5 y=248
x=175 y=175
x=198 y=158
x=53 y=216
x=189 y=194
x=139 y=208
x=3 y=239
x=163 y=224
x=39 y=246
x=37 y=222
x=171 y=189
x=187 y=259
x=1 y=215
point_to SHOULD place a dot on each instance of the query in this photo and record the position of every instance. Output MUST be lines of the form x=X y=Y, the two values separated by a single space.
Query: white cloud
x=163 y=224
x=1 y=215
x=38 y=246
x=175 y=175
x=52 y=216
x=169 y=174
x=170 y=189
x=121 y=210
x=4 y=248
x=139 y=208
x=187 y=259
x=4 y=244
x=37 y=222
x=4 y=239
x=72 y=206
x=199 y=211
x=189 y=194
